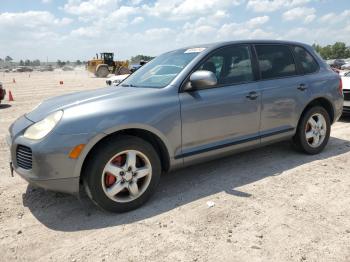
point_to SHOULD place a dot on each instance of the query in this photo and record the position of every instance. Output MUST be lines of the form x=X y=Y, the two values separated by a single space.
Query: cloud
x=118 y=18
x=304 y=14
x=137 y=20
x=185 y=9
x=198 y=32
x=91 y=8
x=273 y=5
x=32 y=19
x=257 y=21
x=250 y=29
x=334 y=18
x=85 y=32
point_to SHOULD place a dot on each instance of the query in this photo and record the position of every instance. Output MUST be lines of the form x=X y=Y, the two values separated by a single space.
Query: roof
x=224 y=43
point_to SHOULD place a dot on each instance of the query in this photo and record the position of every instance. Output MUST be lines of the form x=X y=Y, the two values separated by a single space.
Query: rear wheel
x=102 y=71
x=122 y=174
x=313 y=131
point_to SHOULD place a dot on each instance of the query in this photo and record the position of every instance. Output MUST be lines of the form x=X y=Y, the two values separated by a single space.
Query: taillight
x=340 y=88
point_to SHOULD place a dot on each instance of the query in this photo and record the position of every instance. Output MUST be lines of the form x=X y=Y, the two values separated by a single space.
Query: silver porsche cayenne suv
x=183 y=107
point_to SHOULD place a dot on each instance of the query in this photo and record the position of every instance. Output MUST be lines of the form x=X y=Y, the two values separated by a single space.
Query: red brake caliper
x=110 y=179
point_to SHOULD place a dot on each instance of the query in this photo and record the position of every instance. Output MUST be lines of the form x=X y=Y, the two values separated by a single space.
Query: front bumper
x=51 y=168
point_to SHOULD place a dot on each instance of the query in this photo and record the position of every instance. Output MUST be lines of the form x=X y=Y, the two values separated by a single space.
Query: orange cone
x=13 y=80
x=10 y=97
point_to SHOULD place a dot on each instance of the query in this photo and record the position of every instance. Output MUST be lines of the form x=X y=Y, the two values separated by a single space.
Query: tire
x=97 y=178
x=102 y=71
x=305 y=139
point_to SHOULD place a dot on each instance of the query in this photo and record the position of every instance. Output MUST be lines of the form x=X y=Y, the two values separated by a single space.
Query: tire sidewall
x=102 y=155
x=102 y=71
x=301 y=130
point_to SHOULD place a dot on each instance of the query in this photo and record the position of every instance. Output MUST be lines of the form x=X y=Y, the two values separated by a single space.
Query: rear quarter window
x=306 y=60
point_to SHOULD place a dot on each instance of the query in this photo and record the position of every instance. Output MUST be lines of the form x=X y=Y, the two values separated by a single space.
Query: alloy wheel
x=316 y=130
x=126 y=176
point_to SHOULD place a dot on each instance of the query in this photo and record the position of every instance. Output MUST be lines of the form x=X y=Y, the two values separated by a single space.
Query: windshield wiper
x=128 y=85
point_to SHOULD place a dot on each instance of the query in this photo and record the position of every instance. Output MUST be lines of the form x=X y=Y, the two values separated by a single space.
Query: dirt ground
x=270 y=204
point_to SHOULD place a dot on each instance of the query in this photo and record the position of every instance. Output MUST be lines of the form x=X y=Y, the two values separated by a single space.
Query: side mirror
x=201 y=79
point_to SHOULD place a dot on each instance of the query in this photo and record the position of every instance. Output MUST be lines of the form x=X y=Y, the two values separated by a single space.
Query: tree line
x=60 y=63
x=137 y=59
x=338 y=50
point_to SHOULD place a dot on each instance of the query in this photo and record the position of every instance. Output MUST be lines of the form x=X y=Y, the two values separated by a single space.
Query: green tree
x=36 y=62
x=339 y=50
x=138 y=58
x=336 y=51
x=60 y=63
x=21 y=63
x=8 y=59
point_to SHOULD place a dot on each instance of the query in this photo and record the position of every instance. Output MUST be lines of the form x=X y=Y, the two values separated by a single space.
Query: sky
x=77 y=29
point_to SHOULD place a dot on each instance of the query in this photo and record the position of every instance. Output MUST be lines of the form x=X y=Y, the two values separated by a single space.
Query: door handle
x=252 y=95
x=302 y=87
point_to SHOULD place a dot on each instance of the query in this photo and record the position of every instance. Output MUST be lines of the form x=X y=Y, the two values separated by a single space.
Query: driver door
x=225 y=117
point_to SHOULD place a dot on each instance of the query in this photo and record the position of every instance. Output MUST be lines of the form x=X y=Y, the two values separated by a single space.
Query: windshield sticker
x=194 y=50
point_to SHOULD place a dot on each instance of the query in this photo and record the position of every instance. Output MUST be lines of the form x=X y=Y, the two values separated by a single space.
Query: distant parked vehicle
x=116 y=79
x=22 y=69
x=346 y=91
x=67 y=68
x=46 y=68
x=343 y=72
x=338 y=63
x=134 y=67
x=2 y=92
x=345 y=66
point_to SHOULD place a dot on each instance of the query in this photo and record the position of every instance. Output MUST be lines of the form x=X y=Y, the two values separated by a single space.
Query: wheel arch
x=159 y=145
x=323 y=102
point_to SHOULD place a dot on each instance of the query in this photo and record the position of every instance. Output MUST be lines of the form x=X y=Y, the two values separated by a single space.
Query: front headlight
x=40 y=129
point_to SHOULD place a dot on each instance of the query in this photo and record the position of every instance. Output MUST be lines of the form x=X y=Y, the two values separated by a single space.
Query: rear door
x=284 y=91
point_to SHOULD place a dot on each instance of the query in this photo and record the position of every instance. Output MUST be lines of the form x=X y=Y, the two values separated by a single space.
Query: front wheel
x=102 y=71
x=313 y=131
x=122 y=173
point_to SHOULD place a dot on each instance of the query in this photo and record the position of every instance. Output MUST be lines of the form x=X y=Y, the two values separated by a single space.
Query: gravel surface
x=269 y=204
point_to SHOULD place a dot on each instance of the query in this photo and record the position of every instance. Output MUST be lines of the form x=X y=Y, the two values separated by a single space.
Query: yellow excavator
x=105 y=64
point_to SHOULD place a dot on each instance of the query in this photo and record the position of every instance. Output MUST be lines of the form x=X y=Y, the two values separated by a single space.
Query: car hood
x=66 y=101
x=118 y=77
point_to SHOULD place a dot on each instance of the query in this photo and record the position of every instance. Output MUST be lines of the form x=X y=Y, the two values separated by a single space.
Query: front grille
x=24 y=157
x=346 y=94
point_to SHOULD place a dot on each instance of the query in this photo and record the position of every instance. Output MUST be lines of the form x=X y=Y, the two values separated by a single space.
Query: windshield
x=160 y=71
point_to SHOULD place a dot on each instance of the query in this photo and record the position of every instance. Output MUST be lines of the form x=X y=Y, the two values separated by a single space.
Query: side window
x=215 y=64
x=231 y=65
x=307 y=62
x=275 y=61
